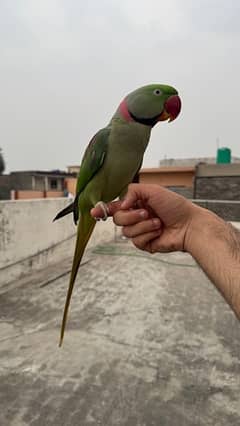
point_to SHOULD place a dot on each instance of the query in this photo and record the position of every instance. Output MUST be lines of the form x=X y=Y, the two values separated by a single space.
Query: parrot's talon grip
x=104 y=209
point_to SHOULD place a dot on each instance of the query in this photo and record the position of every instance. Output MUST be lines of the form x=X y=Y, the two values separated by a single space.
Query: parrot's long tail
x=85 y=229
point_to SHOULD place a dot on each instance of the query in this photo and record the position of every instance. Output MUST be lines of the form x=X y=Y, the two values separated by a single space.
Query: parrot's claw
x=104 y=209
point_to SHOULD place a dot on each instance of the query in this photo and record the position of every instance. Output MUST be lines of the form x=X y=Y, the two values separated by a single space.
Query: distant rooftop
x=168 y=169
x=54 y=172
x=191 y=162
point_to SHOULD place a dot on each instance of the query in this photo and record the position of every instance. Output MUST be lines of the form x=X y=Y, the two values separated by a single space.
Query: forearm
x=215 y=245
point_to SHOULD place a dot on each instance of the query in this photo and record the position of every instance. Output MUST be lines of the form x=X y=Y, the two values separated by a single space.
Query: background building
x=212 y=182
x=178 y=179
x=36 y=184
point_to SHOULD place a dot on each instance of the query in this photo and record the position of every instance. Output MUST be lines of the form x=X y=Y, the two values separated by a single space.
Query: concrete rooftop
x=149 y=342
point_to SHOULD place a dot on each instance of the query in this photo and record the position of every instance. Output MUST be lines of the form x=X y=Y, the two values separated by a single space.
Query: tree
x=2 y=163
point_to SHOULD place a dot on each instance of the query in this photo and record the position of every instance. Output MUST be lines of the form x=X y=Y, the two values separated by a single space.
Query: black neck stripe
x=146 y=121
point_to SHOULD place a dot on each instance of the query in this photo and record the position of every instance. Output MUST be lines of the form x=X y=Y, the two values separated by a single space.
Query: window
x=53 y=183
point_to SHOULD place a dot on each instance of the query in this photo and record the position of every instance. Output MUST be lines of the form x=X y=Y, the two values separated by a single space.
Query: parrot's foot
x=104 y=209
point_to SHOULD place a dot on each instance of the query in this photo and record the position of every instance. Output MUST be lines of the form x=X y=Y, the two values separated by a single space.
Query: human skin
x=159 y=220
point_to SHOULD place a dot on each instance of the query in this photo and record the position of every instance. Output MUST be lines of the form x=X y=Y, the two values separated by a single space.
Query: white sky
x=66 y=64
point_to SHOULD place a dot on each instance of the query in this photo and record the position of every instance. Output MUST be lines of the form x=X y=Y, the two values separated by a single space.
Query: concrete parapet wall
x=29 y=239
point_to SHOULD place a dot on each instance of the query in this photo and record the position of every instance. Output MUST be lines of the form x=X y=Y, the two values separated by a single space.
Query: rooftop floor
x=149 y=342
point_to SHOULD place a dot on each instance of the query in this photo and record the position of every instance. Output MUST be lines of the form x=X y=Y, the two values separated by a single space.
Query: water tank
x=223 y=155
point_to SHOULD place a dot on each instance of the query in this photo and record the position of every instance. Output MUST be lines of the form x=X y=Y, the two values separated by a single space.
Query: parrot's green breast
x=126 y=146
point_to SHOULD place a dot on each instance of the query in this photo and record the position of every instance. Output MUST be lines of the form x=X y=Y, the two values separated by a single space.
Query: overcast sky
x=66 y=64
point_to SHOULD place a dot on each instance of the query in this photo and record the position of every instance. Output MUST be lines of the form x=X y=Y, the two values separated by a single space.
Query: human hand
x=155 y=218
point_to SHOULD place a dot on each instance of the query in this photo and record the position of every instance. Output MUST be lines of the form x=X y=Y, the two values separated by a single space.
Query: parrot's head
x=150 y=104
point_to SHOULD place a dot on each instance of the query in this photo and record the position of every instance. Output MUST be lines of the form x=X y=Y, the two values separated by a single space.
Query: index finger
x=136 y=193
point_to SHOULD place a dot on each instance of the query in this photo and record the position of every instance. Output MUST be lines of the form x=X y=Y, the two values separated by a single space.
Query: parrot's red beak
x=172 y=108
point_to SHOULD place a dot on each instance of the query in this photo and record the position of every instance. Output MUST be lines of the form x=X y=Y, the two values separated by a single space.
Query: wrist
x=204 y=226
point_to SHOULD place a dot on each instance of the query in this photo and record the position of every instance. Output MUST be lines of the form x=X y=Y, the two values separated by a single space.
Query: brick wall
x=217 y=188
x=53 y=194
x=228 y=210
x=182 y=190
x=5 y=187
x=29 y=195
x=70 y=185
x=21 y=181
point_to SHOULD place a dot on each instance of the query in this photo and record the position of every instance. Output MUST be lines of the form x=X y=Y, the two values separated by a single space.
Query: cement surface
x=149 y=342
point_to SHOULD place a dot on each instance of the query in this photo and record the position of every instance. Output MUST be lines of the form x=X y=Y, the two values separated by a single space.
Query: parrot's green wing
x=92 y=162
x=93 y=158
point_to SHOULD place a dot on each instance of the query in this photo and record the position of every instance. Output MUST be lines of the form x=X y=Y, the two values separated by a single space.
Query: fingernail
x=143 y=214
x=124 y=204
x=156 y=222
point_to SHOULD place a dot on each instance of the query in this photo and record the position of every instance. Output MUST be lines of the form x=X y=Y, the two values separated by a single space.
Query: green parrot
x=112 y=160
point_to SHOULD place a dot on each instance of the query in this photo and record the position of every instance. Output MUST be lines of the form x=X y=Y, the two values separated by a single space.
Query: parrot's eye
x=157 y=92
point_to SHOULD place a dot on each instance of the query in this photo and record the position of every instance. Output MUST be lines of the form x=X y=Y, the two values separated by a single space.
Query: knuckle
x=138 y=243
x=117 y=219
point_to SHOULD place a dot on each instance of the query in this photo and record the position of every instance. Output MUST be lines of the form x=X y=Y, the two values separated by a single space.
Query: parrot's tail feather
x=71 y=208
x=85 y=229
x=64 y=212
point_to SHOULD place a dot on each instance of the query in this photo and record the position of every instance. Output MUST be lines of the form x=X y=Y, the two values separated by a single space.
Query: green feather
x=85 y=229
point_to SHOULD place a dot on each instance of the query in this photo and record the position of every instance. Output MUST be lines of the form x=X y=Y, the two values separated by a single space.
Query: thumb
x=135 y=193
